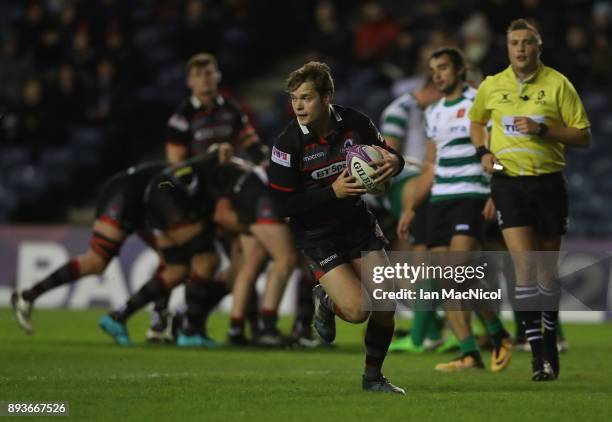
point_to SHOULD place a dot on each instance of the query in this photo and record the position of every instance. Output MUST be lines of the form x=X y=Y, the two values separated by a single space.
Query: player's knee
x=292 y=260
x=92 y=263
x=250 y=269
x=174 y=274
x=355 y=315
x=250 y=272
x=286 y=262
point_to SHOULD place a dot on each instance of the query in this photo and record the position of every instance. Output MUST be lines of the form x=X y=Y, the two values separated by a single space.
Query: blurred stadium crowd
x=87 y=86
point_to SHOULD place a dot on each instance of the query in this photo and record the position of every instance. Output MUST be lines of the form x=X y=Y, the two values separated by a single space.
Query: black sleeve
x=178 y=129
x=371 y=136
x=257 y=152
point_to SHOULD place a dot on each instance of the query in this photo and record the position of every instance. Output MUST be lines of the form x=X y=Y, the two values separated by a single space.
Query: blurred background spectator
x=86 y=86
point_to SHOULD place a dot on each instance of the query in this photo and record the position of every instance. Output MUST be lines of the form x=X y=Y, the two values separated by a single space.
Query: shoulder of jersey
x=352 y=115
x=491 y=79
x=469 y=93
x=184 y=107
x=231 y=102
x=430 y=108
x=403 y=103
x=554 y=73
x=291 y=130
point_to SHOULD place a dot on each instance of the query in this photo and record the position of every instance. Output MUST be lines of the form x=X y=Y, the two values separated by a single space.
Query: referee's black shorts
x=537 y=201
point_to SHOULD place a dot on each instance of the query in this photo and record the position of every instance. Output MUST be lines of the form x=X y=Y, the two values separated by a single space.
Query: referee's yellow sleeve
x=571 y=109
x=479 y=112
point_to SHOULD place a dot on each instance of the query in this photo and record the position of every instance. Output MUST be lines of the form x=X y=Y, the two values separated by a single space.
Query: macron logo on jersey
x=280 y=157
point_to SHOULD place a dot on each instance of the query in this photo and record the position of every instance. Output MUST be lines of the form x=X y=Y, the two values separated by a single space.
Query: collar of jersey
x=196 y=103
x=456 y=100
x=531 y=78
x=306 y=129
x=453 y=102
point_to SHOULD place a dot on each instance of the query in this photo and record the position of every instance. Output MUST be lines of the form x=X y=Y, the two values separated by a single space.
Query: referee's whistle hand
x=488 y=161
x=526 y=126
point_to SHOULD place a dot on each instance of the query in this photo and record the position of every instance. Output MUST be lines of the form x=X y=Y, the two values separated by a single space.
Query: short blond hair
x=519 y=24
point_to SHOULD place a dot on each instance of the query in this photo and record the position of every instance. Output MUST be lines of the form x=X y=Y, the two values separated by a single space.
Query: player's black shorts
x=537 y=201
x=118 y=206
x=446 y=219
x=327 y=248
x=253 y=202
x=168 y=205
x=418 y=227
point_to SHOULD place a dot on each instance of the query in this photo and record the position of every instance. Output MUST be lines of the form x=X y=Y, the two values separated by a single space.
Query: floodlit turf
x=69 y=359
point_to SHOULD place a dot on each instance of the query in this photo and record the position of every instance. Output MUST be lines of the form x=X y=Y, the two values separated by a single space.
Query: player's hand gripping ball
x=358 y=159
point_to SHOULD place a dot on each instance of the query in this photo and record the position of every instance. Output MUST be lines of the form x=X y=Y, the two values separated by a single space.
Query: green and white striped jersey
x=458 y=173
x=404 y=119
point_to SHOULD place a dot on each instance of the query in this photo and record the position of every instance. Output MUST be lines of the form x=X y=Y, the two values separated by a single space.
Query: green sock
x=434 y=329
x=494 y=326
x=469 y=345
x=420 y=326
x=423 y=313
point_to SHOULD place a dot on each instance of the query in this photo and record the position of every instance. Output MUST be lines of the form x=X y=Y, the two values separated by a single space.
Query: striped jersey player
x=458 y=173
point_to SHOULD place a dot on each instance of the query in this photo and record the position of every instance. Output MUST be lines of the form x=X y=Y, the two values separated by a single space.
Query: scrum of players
x=215 y=190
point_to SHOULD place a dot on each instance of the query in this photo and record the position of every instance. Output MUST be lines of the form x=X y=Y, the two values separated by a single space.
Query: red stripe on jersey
x=180 y=224
x=281 y=188
x=318 y=274
x=107 y=219
x=248 y=130
x=268 y=221
x=75 y=271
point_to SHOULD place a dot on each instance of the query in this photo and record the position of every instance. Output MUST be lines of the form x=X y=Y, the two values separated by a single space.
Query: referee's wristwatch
x=481 y=151
x=542 y=129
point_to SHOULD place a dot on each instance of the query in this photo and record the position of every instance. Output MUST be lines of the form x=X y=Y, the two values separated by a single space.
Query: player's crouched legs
x=162 y=282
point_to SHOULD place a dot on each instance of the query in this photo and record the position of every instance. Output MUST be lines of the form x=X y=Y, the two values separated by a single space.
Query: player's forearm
x=570 y=136
x=398 y=160
x=393 y=142
x=478 y=134
x=423 y=186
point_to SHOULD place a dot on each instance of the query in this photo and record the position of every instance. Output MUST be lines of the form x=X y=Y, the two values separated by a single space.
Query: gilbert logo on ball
x=358 y=158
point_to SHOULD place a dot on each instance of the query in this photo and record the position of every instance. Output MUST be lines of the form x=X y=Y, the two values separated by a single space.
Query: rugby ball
x=358 y=158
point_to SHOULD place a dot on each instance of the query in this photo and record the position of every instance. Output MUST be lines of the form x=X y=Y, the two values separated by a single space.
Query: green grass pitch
x=69 y=359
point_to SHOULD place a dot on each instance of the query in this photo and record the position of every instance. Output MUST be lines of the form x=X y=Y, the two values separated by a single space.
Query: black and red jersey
x=303 y=166
x=197 y=127
x=121 y=198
